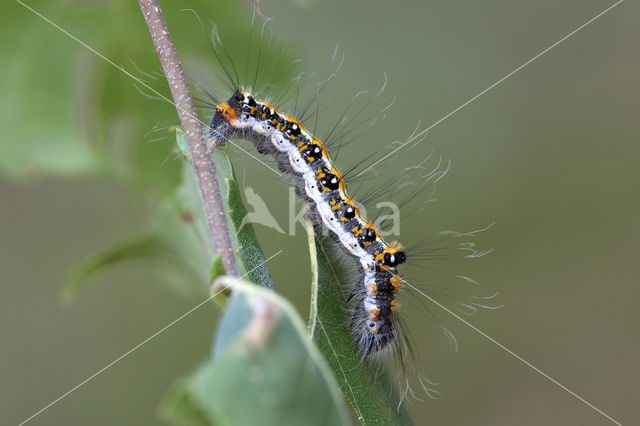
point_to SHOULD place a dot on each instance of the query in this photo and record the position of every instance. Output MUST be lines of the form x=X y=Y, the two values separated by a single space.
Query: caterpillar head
x=234 y=111
x=241 y=106
x=232 y=115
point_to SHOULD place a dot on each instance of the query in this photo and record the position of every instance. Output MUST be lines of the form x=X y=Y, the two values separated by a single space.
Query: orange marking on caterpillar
x=393 y=247
x=294 y=120
x=336 y=172
x=227 y=112
x=373 y=289
x=396 y=282
x=342 y=185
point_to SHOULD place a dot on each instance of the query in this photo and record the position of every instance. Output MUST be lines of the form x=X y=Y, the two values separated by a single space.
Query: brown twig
x=205 y=169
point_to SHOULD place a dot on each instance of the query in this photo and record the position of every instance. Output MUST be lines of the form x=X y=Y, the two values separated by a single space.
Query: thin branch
x=205 y=169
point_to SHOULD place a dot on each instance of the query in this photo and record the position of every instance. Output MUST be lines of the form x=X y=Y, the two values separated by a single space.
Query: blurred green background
x=550 y=155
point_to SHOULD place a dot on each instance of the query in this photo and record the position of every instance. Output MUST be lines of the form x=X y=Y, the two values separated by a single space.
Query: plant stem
x=203 y=166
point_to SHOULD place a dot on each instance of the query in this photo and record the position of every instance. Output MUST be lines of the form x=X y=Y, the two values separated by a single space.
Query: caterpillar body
x=374 y=323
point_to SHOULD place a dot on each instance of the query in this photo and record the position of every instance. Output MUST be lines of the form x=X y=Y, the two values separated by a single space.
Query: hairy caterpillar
x=375 y=325
x=322 y=185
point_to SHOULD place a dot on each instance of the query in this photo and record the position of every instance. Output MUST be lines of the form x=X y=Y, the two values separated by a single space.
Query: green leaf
x=250 y=260
x=181 y=407
x=69 y=113
x=178 y=237
x=264 y=370
x=368 y=391
x=129 y=250
x=181 y=140
x=217 y=268
x=243 y=237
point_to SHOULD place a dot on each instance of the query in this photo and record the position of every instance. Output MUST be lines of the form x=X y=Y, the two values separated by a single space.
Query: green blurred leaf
x=243 y=237
x=251 y=261
x=66 y=112
x=178 y=237
x=264 y=371
x=180 y=406
x=182 y=143
x=217 y=268
x=129 y=250
x=369 y=392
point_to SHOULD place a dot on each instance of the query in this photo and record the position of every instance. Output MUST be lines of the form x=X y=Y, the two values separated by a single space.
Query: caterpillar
x=322 y=185
x=376 y=327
